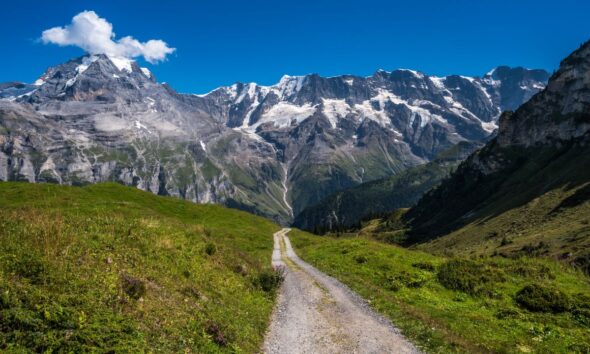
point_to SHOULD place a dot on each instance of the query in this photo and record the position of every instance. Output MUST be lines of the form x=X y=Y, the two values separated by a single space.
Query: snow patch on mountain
x=289 y=85
x=334 y=110
x=123 y=64
x=413 y=72
x=146 y=72
x=284 y=114
x=248 y=116
x=367 y=111
x=489 y=126
x=86 y=61
x=438 y=82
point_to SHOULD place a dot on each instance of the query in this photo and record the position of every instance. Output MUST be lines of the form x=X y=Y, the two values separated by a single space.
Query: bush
x=133 y=287
x=394 y=282
x=507 y=313
x=541 y=298
x=532 y=270
x=424 y=266
x=582 y=316
x=210 y=249
x=581 y=309
x=360 y=259
x=582 y=301
x=505 y=241
x=191 y=291
x=269 y=280
x=241 y=269
x=214 y=330
x=579 y=348
x=472 y=277
x=30 y=267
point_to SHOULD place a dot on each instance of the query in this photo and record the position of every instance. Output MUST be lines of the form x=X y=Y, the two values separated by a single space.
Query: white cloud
x=95 y=35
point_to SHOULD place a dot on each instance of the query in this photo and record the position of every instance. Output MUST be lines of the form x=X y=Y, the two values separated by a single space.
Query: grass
x=541 y=227
x=461 y=305
x=110 y=268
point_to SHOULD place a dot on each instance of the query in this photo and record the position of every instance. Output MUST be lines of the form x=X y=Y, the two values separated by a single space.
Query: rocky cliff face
x=272 y=150
x=560 y=113
x=540 y=147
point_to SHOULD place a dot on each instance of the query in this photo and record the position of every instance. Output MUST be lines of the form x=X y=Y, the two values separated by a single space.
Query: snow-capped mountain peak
x=289 y=85
x=277 y=148
x=396 y=100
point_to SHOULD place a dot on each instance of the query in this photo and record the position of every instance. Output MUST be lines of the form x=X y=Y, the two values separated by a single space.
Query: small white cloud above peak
x=95 y=35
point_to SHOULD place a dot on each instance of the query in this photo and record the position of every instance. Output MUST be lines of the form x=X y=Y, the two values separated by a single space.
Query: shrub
x=210 y=249
x=424 y=266
x=582 y=316
x=214 y=330
x=507 y=313
x=191 y=291
x=394 y=282
x=579 y=348
x=505 y=241
x=532 y=270
x=360 y=259
x=583 y=263
x=396 y=237
x=241 y=269
x=31 y=267
x=472 y=277
x=582 y=300
x=534 y=250
x=541 y=298
x=133 y=287
x=269 y=280
x=581 y=309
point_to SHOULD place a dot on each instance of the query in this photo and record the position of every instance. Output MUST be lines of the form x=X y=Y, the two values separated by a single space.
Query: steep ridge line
x=316 y=313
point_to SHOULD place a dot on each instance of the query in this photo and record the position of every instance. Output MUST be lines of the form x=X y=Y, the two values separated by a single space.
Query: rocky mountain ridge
x=272 y=150
x=541 y=149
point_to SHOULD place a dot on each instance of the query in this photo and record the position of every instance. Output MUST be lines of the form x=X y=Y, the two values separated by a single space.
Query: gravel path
x=318 y=314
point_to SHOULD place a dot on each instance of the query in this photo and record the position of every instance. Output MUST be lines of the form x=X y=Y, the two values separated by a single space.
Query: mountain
x=527 y=190
x=272 y=150
x=345 y=209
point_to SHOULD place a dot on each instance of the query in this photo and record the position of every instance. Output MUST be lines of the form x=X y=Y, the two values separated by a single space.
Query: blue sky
x=220 y=42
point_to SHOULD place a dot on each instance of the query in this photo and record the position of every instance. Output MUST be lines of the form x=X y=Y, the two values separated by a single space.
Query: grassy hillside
x=473 y=305
x=537 y=205
x=110 y=268
x=555 y=224
x=525 y=174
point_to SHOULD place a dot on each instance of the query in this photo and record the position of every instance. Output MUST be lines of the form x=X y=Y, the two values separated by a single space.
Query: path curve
x=316 y=313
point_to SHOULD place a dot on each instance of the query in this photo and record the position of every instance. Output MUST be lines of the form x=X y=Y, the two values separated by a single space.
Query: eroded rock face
x=272 y=150
x=541 y=146
x=562 y=112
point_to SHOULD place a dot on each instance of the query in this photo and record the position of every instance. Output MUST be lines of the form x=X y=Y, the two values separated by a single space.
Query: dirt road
x=318 y=314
